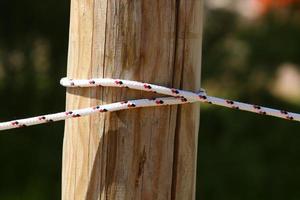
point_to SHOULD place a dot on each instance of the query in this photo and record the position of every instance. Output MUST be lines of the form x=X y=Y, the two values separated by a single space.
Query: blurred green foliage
x=33 y=53
x=241 y=155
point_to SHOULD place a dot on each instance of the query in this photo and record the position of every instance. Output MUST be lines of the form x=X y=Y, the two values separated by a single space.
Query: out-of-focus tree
x=33 y=52
x=256 y=59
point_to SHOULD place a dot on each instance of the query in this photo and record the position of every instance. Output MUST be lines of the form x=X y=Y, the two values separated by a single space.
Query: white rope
x=177 y=97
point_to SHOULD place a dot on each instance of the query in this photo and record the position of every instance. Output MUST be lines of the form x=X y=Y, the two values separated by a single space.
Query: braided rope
x=177 y=97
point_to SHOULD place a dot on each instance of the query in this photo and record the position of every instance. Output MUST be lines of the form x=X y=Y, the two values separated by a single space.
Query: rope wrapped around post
x=177 y=96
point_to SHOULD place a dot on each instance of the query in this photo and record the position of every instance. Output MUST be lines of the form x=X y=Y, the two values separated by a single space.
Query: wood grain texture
x=147 y=153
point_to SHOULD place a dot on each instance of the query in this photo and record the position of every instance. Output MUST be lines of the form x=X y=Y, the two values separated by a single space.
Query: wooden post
x=147 y=153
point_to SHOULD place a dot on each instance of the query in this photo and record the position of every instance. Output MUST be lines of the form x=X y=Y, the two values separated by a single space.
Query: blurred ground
x=251 y=53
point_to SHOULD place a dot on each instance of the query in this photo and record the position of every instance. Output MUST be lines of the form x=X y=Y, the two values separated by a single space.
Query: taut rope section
x=176 y=97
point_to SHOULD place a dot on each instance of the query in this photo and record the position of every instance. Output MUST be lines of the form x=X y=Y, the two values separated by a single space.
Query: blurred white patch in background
x=287 y=83
x=250 y=9
x=217 y=4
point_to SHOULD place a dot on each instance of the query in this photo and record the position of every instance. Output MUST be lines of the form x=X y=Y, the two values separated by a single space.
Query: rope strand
x=177 y=97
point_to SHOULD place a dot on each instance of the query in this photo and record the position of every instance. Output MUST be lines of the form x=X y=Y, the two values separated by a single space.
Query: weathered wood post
x=147 y=153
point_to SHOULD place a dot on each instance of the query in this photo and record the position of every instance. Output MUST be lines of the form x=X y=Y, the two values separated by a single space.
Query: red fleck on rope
x=176 y=97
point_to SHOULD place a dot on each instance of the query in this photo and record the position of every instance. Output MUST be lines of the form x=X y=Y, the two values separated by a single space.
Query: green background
x=241 y=155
